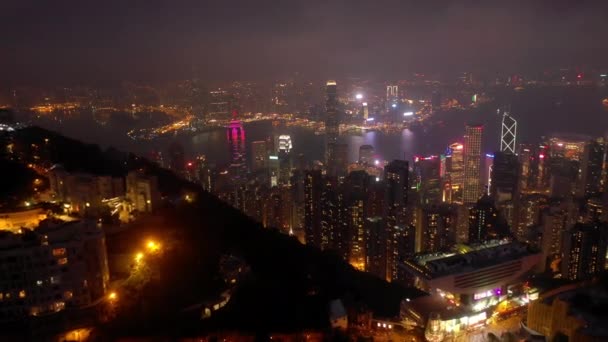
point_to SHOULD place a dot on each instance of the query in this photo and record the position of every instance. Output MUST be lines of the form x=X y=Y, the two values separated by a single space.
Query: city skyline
x=304 y=171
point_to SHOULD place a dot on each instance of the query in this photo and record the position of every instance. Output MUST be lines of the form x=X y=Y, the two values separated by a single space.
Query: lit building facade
x=54 y=267
x=584 y=250
x=472 y=188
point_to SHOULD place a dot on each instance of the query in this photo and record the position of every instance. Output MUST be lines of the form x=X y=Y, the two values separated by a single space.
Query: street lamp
x=152 y=246
x=139 y=257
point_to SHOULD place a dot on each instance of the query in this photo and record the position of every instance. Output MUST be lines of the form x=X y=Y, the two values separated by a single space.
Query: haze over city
x=304 y=171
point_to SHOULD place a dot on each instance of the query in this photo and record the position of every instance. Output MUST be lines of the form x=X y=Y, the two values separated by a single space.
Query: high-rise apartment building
x=584 y=250
x=396 y=178
x=592 y=166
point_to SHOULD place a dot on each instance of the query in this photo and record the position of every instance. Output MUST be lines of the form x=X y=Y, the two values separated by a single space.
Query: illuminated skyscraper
x=455 y=171
x=435 y=228
x=590 y=180
x=236 y=140
x=332 y=119
x=584 y=250
x=392 y=96
x=375 y=230
x=472 y=189
x=396 y=178
x=366 y=154
x=508 y=133
x=427 y=179
x=313 y=187
x=259 y=155
x=285 y=160
x=483 y=221
x=503 y=186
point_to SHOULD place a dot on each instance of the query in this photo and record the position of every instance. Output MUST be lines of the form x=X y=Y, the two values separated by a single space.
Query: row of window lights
x=384 y=325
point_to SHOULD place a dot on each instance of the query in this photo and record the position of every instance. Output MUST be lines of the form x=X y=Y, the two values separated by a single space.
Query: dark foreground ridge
x=288 y=288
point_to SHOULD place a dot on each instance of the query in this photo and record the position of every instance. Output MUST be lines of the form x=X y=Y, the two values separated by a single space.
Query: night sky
x=63 y=41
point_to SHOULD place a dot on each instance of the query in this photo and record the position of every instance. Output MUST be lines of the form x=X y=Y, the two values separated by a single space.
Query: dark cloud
x=86 y=40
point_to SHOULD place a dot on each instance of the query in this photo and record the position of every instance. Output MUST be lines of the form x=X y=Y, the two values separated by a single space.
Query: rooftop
x=466 y=258
x=587 y=304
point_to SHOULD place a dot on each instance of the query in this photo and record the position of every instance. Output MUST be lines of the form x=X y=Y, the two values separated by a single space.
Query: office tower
x=392 y=97
x=486 y=172
x=534 y=168
x=332 y=118
x=338 y=163
x=472 y=189
x=435 y=228
x=427 y=179
x=396 y=179
x=570 y=147
x=508 y=133
x=592 y=165
x=259 y=155
x=313 y=188
x=376 y=237
x=274 y=168
x=366 y=155
x=366 y=112
x=564 y=174
x=503 y=185
x=285 y=161
x=235 y=134
x=220 y=104
x=455 y=171
x=483 y=220
x=584 y=250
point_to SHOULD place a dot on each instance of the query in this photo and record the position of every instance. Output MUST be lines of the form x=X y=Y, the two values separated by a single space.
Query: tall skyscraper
x=338 y=161
x=503 y=186
x=259 y=158
x=332 y=118
x=396 y=178
x=285 y=160
x=592 y=165
x=508 y=133
x=427 y=179
x=455 y=171
x=472 y=164
x=236 y=140
x=435 y=228
x=366 y=154
x=392 y=96
x=483 y=220
x=376 y=238
x=313 y=187
x=357 y=196
x=584 y=248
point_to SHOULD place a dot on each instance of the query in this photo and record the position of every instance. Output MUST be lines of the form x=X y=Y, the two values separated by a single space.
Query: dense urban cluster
x=488 y=237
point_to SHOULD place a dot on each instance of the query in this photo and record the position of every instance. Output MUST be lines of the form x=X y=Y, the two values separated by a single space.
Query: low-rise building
x=576 y=313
